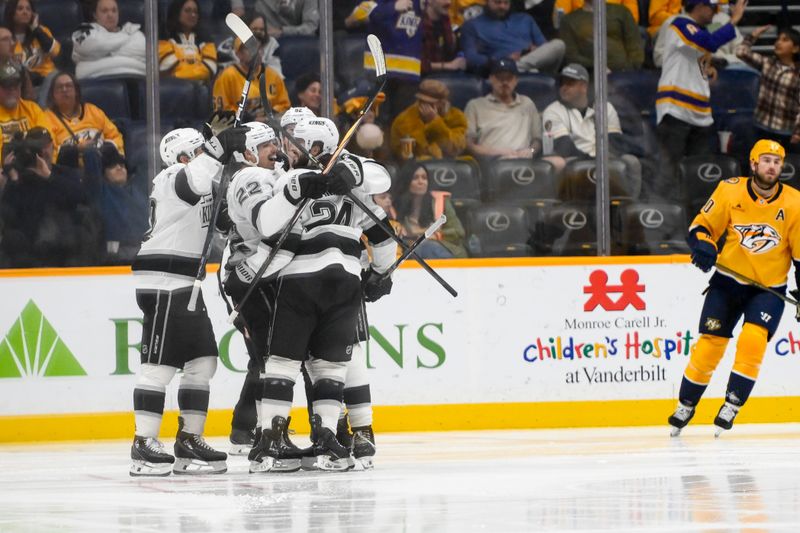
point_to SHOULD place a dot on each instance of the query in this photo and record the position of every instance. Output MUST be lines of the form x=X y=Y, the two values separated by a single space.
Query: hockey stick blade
x=435 y=226
x=376 y=49
x=242 y=31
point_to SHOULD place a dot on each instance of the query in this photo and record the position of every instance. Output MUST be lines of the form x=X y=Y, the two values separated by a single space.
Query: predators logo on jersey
x=758 y=238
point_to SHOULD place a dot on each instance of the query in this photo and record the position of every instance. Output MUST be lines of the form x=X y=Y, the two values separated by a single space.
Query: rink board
x=528 y=343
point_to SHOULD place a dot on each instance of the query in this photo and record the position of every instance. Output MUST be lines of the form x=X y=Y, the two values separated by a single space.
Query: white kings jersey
x=180 y=212
x=328 y=233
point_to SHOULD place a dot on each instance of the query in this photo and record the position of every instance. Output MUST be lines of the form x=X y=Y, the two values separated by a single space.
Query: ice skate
x=193 y=455
x=678 y=420
x=242 y=441
x=363 y=448
x=329 y=454
x=274 y=452
x=343 y=434
x=724 y=419
x=149 y=458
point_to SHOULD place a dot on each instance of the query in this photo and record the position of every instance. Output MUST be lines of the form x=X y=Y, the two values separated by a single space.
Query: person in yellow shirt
x=75 y=122
x=434 y=128
x=16 y=114
x=228 y=87
x=184 y=52
x=758 y=218
x=34 y=45
x=463 y=10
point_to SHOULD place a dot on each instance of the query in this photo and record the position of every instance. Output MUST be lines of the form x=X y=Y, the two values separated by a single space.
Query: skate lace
x=200 y=442
x=362 y=438
x=683 y=412
x=154 y=445
x=728 y=412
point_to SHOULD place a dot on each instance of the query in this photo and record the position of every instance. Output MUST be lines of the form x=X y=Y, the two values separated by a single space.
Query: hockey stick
x=761 y=286
x=249 y=41
x=380 y=64
x=433 y=228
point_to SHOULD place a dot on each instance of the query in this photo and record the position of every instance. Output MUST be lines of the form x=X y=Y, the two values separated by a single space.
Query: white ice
x=630 y=479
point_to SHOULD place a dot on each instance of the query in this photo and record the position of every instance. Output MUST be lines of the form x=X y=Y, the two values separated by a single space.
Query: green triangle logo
x=32 y=348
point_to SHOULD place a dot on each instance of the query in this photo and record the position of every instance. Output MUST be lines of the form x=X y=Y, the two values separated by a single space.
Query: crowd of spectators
x=474 y=82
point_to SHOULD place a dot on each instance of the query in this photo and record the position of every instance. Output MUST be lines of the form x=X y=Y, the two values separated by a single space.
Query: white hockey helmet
x=257 y=134
x=317 y=131
x=182 y=141
x=293 y=115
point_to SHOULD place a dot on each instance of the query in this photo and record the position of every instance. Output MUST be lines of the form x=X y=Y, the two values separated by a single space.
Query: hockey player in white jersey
x=174 y=338
x=319 y=291
x=289 y=120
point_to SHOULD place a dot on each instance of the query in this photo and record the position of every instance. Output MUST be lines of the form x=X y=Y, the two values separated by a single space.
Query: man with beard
x=757 y=218
x=498 y=33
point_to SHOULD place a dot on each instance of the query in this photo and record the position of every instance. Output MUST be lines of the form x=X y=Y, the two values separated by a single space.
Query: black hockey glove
x=222 y=146
x=282 y=161
x=345 y=174
x=704 y=251
x=375 y=286
x=796 y=295
x=307 y=185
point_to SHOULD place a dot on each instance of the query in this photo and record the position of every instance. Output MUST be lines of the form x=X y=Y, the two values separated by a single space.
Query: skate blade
x=196 y=467
x=327 y=464
x=265 y=465
x=143 y=468
x=675 y=432
x=718 y=431
x=363 y=463
x=240 y=449
x=309 y=463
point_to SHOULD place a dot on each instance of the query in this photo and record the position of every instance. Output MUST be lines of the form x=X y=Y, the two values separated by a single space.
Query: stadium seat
x=463 y=87
x=699 y=175
x=540 y=88
x=791 y=170
x=636 y=87
x=110 y=95
x=734 y=90
x=522 y=182
x=459 y=178
x=653 y=229
x=62 y=17
x=184 y=99
x=132 y=11
x=568 y=229
x=349 y=59
x=578 y=182
x=299 y=55
x=498 y=231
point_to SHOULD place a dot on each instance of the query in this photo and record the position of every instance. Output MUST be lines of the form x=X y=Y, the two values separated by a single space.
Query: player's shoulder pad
x=732 y=181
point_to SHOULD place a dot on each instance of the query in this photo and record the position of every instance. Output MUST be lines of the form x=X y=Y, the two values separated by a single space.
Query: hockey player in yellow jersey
x=758 y=218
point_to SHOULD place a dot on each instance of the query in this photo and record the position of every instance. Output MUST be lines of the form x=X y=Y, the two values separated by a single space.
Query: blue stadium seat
x=299 y=54
x=184 y=99
x=110 y=95
x=522 y=182
x=62 y=17
x=459 y=178
x=498 y=231
x=578 y=182
x=349 y=59
x=734 y=90
x=540 y=88
x=699 y=176
x=131 y=11
x=463 y=87
x=791 y=170
x=637 y=87
x=568 y=229
x=653 y=229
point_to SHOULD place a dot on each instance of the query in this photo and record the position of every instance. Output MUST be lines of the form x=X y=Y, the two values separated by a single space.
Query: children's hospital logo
x=626 y=293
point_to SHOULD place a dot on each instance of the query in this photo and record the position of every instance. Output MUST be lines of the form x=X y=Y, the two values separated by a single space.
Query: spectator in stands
x=226 y=55
x=624 y=43
x=398 y=25
x=505 y=123
x=185 y=51
x=498 y=33
x=370 y=138
x=417 y=207
x=237 y=7
x=16 y=113
x=7 y=55
x=289 y=17
x=34 y=45
x=437 y=128
x=543 y=13
x=659 y=12
x=683 y=108
x=308 y=92
x=44 y=208
x=464 y=10
x=358 y=18
x=230 y=82
x=103 y=48
x=777 y=115
x=439 y=46
x=568 y=6
x=75 y=122
x=569 y=124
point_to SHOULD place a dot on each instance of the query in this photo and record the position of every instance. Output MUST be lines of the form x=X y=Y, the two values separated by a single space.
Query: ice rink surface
x=630 y=479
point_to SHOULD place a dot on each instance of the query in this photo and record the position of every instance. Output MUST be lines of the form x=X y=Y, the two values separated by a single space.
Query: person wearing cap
x=683 y=105
x=230 y=82
x=7 y=47
x=16 y=113
x=498 y=33
x=370 y=140
x=624 y=42
x=504 y=123
x=569 y=126
x=749 y=226
x=437 y=128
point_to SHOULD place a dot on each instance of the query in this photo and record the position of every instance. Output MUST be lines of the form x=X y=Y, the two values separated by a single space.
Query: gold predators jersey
x=92 y=127
x=228 y=90
x=762 y=235
x=186 y=59
x=25 y=116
